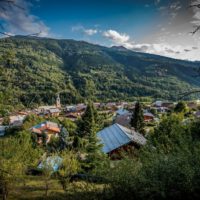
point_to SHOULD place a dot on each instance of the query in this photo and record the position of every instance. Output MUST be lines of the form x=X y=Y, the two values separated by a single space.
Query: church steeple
x=58 y=104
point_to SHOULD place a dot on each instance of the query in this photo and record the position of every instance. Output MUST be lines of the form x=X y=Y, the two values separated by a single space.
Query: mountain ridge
x=80 y=70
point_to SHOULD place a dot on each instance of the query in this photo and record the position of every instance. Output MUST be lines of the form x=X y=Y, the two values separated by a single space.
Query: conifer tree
x=180 y=107
x=88 y=129
x=88 y=121
x=137 y=120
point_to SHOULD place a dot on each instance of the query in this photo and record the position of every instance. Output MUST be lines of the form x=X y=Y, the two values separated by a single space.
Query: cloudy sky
x=160 y=27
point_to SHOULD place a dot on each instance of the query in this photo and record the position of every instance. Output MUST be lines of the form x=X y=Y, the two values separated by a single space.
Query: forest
x=33 y=70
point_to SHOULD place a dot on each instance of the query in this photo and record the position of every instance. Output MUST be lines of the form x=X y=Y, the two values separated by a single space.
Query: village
x=117 y=134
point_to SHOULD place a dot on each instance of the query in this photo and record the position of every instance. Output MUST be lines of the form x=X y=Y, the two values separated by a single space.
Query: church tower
x=58 y=104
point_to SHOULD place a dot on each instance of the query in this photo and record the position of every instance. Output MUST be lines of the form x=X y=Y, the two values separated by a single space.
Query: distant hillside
x=33 y=70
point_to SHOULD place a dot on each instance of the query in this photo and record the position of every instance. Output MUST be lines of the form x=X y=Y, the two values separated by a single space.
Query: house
x=122 y=111
x=192 y=105
x=49 y=111
x=81 y=107
x=47 y=127
x=73 y=115
x=54 y=112
x=116 y=139
x=111 y=105
x=70 y=108
x=148 y=117
x=124 y=119
x=163 y=104
x=197 y=114
x=157 y=103
x=16 y=120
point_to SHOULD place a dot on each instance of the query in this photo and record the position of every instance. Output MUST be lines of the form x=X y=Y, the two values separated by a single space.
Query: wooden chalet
x=117 y=139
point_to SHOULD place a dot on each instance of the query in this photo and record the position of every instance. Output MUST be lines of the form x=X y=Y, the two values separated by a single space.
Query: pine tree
x=94 y=154
x=137 y=120
x=88 y=129
x=88 y=121
x=180 y=107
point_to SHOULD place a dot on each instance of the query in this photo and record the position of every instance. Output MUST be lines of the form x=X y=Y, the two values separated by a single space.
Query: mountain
x=33 y=70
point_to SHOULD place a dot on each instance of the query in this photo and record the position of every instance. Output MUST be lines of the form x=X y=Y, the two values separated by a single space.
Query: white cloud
x=80 y=28
x=185 y=52
x=174 y=51
x=90 y=31
x=116 y=36
x=119 y=38
x=18 y=20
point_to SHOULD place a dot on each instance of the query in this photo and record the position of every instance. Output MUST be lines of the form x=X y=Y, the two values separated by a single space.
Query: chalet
x=48 y=128
x=111 y=106
x=49 y=111
x=193 y=105
x=116 y=139
x=73 y=115
x=148 y=117
x=80 y=107
x=70 y=108
x=164 y=104
x=16 y=120
x=162 y=109
x=122 y=111
x=124 y=119
x=197 y=114
x=97 y=105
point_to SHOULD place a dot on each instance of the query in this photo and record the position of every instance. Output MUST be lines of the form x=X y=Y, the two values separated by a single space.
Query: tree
x=94 y=153
x=88 y=121
x=69 y=125
x=137 y=120
x=77 y=143
x=181 y=107
x=47 y=170
x=44 y=139
x=69 y=167
x=63 y=138
x=170 y=135
x=14 y=160
x=87 y=129
x=6 y=121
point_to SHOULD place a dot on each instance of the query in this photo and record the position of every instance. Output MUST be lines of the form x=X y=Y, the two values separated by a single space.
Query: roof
x=17 y=118
x=47 y=125
x=52 y=163
x=47 y=107
x=116 y=136
x=124 y=120
x=54 y=110
x=148 y=114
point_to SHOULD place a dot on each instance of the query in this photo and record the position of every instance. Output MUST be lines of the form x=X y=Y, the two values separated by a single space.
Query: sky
x=161 y=27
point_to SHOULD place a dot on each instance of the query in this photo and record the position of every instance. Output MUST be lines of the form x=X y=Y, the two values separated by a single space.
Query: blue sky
x=153 y=26
x=123 y=15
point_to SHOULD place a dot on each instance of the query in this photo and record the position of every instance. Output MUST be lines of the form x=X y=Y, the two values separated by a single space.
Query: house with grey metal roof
x=115 y=137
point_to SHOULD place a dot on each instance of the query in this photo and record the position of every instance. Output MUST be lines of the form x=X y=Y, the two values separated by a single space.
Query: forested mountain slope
x=33 y=70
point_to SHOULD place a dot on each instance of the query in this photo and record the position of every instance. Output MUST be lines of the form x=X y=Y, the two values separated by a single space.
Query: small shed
x=51 y=163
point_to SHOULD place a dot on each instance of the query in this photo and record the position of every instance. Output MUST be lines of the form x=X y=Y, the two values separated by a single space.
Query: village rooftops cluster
x=121 y=112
